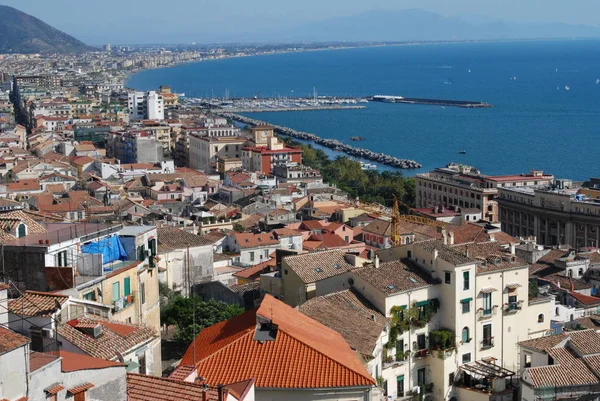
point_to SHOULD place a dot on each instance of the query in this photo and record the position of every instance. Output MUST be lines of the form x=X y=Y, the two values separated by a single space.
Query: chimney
x=444 y=236
x=204 y=395
x=512 y=249
x=467 y=251
x=492 y=237
x=221 y=392
x=450 y=238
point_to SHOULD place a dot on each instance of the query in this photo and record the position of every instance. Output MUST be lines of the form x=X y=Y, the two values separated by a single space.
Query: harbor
x=333 y=144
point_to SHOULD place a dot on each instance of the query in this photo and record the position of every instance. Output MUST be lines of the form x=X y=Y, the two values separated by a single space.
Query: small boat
x=462 y=152
x=567 y=88
x=598 y=81
x=368 y=166
x=357 y=138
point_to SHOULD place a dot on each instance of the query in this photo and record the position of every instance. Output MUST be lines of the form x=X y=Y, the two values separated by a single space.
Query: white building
x=146 y=105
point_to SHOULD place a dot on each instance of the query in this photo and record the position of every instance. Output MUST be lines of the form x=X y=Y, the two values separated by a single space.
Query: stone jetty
x=331 y=143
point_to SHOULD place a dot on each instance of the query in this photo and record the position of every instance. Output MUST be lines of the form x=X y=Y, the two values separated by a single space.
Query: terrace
x=484 y=380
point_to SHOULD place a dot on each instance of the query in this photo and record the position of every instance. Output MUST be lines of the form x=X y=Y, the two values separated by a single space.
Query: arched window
x=21 y=230
x=556 y=312
x=580 y=272
x=541 y=318
x=465 y=335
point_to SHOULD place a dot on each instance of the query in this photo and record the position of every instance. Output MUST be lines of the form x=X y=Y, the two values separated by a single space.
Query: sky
x=205 y=21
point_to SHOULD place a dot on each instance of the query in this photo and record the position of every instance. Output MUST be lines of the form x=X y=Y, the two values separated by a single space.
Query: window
x=488 y=340
x=466 y=307
x=90 y=296
x=143 y=292
x=21 y=231
x=266 y=253
x=116 y=291
x=465 y=335
x=447 y=277
x=400 y=386
x=142 y=362
x=421 y=376
x=466 y=283
x=527 y=360
x=127 y=286
x=487 y=303
x=451 y=379
x=466 y=358
x=251 y=256
x=421 y=342
x=541 y=318
x=62 y=258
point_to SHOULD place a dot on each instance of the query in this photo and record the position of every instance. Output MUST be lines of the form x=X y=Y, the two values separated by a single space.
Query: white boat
x=368 y=166
x=598 y=81
x=567 y=88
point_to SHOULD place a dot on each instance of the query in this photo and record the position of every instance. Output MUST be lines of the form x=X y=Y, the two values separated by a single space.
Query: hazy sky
x=138 y=21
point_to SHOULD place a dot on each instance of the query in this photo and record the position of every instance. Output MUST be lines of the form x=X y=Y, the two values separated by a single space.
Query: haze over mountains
x=417 y=25
x=23 y=33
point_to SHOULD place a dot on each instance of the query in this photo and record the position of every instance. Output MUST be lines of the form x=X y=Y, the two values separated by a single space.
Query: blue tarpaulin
x=110 y=248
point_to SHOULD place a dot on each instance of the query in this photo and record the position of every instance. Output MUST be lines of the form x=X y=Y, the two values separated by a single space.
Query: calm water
x=535 y=123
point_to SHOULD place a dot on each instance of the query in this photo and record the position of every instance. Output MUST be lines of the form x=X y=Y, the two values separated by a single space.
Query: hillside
x=22 y=33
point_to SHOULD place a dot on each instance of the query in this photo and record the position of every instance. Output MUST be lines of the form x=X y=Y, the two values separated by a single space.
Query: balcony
x=487 y=313
x=513 y=307
x=487 y=343
x=123 y=303
x=422 y=353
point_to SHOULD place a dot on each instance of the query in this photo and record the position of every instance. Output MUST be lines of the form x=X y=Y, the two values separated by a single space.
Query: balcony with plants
x=442 y=342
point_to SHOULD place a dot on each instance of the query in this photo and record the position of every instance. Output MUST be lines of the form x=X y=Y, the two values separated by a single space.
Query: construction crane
x=396 y=222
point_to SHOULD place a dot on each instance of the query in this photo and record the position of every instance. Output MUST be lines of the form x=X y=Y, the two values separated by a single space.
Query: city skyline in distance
x=142 y=22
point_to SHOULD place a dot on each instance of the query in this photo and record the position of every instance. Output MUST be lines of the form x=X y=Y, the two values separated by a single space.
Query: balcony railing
x=487 y=313
x=422 y=353
x=487 y=342
x=513 y=306
x=123 y=303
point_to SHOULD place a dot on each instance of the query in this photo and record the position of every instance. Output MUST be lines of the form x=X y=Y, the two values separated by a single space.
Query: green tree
x=237 y=227
x=191 y=315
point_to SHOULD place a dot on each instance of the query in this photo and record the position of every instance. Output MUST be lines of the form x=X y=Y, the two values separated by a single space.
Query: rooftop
x=172 y=238
x=34 y=303
x=316 y=266
x=395 y=276
x=143 y=388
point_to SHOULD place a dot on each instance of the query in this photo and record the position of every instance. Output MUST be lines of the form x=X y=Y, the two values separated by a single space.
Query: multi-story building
x=265 y=158
x=556 y=215
x=295 y=173
x=146 y=105
x=205 y=151
x=134 y=147
x=463 y=186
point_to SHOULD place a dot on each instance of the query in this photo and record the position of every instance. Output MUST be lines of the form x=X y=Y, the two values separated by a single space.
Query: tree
x=191 y=315
x=237 y=227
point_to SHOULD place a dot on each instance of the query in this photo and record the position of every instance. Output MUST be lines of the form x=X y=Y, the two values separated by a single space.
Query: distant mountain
x=417 y=25
x=22 y=33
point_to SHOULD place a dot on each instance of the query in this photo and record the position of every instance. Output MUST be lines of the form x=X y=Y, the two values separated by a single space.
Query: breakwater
x=282 y=109
x=330 y=143
x=469 y=104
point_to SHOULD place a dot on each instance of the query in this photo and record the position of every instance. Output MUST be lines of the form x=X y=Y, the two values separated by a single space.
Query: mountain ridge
x=24 y=33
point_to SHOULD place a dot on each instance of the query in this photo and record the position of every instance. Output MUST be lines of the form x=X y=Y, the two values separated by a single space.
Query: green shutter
x=127 y=286
x=403 y=307
x=423 y=303
x=400 y=378
x=464 y=301
x=116 y=291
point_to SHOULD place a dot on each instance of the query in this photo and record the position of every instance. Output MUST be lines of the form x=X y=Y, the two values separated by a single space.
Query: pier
x=469 y=104
x=330 y=143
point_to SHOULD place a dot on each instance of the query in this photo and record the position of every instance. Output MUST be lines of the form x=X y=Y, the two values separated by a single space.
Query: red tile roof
x=40 y=359
x=72 y=362
x=585 y=299
x=35 y=303
x=10 y=340
x=81 y=388
x=144 y=388
x=304 y=353
x=249 y=240
x=254 y=272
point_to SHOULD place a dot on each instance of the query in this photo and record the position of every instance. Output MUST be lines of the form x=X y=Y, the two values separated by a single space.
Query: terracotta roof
x=568 y=370
x=395 y=276
x=446 y=253
x=543 y=343
x=10 y=340
x=110 y=343
x=171 y=238
x=24 y=185
x=379 y=227
x=72 y=362
x=351 y=315
x=81 y=388
x=240 y=389
x=490 y=257
x=474 y=233
x=4 y=286
x=34 y=303
x=250 y=240
x=227 y=352
x=589 y=322
x=254 y=272
x=585 y=299
x=286 y=232
x=144 y=388
x=182 y=372
x=586 y=341
x=312 y=267
x=40 y=359
x=54 y=389
x=545 y=265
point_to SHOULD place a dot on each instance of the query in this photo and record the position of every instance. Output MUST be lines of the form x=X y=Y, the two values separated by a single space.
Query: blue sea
x=535 y=123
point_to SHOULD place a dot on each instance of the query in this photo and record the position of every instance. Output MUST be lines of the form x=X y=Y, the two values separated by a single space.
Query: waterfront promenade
x=329 y=143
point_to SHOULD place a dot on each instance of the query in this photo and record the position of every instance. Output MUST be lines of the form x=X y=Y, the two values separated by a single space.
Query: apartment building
x=134 y=147
x=146 y=105
x=204 y=152
x=558 y=214
x=462 y=186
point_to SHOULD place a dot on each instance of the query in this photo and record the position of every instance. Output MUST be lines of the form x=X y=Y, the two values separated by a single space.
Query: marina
x=333 y=144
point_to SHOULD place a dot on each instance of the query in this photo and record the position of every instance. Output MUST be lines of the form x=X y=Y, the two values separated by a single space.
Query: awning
x=54 y=389
x=512 y=287
x=400 y=378
x=81 y=388
x=466 y=300
x=423 y=303
x=488 y=290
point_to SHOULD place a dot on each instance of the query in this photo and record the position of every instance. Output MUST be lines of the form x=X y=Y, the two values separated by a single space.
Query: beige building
x=461 y=186
x=204 y=152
